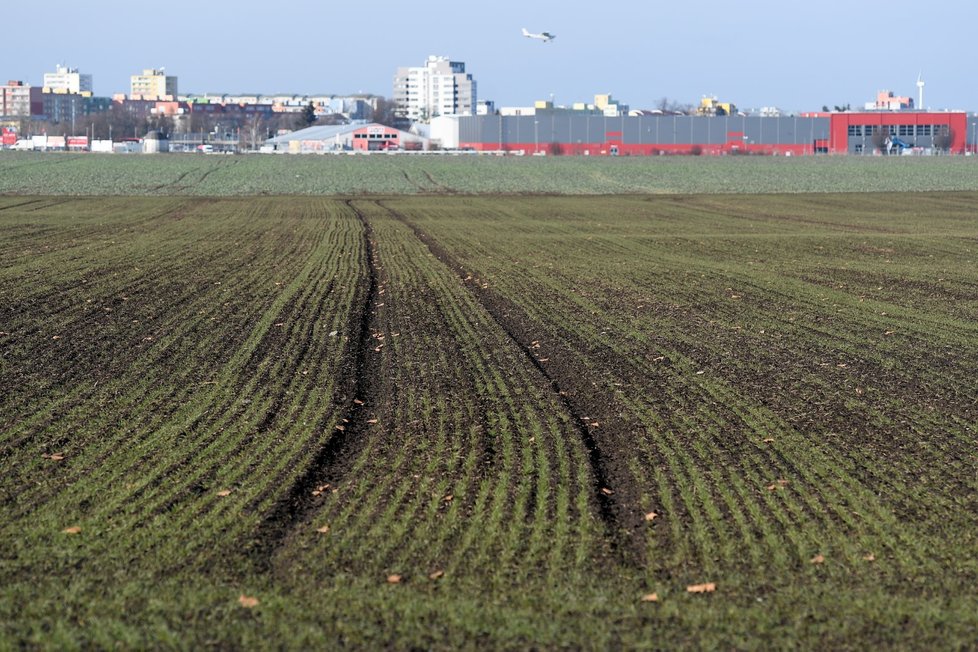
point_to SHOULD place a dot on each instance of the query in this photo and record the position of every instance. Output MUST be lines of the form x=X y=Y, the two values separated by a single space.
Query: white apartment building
x=67 y=80
x=153 y=85
x=439 y=87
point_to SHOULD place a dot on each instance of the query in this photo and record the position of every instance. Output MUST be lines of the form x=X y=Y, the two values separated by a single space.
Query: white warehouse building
x=440 y=87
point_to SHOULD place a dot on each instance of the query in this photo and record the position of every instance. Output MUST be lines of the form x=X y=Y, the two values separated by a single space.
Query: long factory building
x=557 y=131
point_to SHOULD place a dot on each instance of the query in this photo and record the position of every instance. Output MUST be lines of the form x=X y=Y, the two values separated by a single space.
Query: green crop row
x=446 y=422
x=467 y=464
x=767 y=419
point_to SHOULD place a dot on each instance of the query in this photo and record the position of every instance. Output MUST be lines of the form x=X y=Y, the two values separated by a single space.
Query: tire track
x=172 y=184
x=21 y=204
x=354 y=396
x=614 y=495
x=439 y=187
x=407 y=177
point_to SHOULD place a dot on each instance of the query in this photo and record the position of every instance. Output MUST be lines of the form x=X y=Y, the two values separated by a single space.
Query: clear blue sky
x=795 y=55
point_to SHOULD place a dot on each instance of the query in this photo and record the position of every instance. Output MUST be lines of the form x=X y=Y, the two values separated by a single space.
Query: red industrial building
x=376 y=137
x=558 y=131
x=852 y=133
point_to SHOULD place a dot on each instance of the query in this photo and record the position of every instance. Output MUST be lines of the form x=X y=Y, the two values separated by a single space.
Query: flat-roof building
x=20 y=100
x=371 y=137
x=439 y=87
x=554 y=131
x=153 y=84
x=67 y=80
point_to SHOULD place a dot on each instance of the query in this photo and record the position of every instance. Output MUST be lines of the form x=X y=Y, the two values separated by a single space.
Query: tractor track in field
x=172 y=184
x=354 y=398
x=613 y=494
x=407 y=177
x=206 y=174
x=439 y=187
x=22 y=204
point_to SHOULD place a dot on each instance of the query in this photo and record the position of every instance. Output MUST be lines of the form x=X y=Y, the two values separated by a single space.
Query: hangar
x=371 y=137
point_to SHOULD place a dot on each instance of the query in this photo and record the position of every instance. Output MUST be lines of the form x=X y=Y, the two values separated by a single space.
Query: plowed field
x=489 y=421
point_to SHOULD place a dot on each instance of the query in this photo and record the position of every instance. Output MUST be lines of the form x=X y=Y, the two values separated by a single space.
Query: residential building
x=153 y=84
x=770 y=112
x=710 y=106
x=67 y=80
x=63 y=107
x=353 y=107
x=887 y=101
x=20 y=100
x=609 y=106
x=439 y=87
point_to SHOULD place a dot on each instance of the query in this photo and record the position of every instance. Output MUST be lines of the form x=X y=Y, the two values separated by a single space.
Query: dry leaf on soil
x=394 y=579
x=818 y=559
x=709 y=587
x=248 y=601
x=650 y=597
x=74 y=529
x=224 y=492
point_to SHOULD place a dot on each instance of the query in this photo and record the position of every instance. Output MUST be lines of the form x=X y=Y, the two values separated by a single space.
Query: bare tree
x=881 y=138
x=943 y=138
x=383 y=112
x=161 y=123
x=253 y=131
x=672 y=106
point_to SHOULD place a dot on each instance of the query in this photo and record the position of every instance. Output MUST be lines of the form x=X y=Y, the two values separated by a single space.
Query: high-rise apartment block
x=67 y=80
x=153 y=84
x=20 y=100
x=440 y=87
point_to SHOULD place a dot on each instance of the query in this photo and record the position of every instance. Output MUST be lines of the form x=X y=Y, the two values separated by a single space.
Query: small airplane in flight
x=545 y=36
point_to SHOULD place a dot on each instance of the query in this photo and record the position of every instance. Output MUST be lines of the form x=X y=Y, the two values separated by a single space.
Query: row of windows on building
x=897 y=130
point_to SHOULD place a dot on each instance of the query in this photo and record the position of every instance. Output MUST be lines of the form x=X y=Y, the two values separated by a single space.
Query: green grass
x=209 y=175
x=775 y=376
